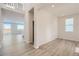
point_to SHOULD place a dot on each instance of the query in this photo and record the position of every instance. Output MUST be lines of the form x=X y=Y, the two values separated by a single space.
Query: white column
x=36 y=41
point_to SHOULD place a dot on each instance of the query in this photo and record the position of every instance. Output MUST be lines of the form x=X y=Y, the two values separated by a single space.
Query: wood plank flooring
x=57 y=47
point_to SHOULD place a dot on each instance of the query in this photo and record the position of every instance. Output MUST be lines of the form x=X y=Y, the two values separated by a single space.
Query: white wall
x=68 y=35
x=1 y=27
x=45 y=27
x=26 y=28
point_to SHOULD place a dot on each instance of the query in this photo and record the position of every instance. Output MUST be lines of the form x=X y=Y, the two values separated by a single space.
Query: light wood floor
x=56 y=47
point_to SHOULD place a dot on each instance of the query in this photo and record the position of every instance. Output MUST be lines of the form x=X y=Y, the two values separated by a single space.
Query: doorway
x=33 y=30
x=31 y=17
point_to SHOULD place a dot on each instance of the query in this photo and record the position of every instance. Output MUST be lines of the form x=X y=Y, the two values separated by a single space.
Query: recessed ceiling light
x=53 y=6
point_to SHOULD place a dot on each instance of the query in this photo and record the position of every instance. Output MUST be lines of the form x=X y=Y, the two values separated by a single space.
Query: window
x=69 y=24
x=7 y=28
x=20 y=26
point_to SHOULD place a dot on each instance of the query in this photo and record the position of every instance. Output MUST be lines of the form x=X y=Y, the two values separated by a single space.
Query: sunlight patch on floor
x=76 y=49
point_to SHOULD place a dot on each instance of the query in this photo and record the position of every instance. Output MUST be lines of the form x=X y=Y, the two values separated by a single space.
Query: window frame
x=69 y=25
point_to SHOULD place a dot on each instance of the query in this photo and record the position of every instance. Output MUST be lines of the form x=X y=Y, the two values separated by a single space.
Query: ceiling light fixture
x=53 y=6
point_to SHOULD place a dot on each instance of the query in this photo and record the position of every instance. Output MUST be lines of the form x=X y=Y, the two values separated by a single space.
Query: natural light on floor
x=76 y=49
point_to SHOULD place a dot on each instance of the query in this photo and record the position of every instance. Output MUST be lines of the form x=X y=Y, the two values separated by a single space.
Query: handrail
x=14 y=5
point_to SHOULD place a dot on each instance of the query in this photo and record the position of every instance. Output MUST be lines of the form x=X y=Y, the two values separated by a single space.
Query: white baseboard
x=47 y=41
x=36 y=47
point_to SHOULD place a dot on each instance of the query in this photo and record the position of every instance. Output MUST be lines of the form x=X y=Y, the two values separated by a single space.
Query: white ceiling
x=60 y=9
x=64 y=9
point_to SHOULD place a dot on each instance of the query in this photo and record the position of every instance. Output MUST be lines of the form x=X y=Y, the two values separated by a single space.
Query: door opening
x=31 y=17
x=33 y=31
